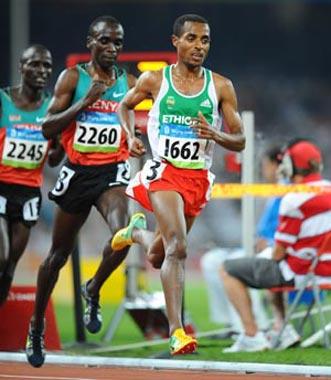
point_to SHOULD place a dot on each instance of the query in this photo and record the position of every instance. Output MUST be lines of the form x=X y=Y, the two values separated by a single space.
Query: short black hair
x=37 y=47
x=107 y=19
x=180 y=21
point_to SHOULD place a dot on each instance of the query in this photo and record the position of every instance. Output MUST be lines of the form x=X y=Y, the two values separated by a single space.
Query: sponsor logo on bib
x=14 y=117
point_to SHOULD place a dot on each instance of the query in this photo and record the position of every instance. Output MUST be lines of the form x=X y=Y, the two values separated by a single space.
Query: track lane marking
x=4 y=376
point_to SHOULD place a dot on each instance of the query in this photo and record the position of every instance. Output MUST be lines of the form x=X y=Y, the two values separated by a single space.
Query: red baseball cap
x=303 y=152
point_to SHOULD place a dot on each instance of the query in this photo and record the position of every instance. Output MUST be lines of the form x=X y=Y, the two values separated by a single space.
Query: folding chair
x=310 y=281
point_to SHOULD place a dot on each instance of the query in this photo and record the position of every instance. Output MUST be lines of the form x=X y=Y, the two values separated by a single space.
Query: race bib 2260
x=97 y=132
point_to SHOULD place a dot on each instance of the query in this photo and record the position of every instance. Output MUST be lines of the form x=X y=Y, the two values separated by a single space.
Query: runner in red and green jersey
x=83 y=111
x=23 y=153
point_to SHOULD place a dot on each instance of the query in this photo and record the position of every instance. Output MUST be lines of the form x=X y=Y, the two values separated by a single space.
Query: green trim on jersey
x=187 y=105
x=116 y=92
x=11 y=114
x=178 y=143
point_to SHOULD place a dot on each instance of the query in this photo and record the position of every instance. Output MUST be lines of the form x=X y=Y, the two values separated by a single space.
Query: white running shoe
x=246 y=343
x=288 y=338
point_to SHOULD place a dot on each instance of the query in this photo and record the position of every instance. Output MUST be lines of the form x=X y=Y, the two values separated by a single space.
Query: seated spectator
x=220 y=308
x=304 y=220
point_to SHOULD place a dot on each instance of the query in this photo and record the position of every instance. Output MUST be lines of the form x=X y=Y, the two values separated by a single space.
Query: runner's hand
x=97 y=89
x=136 y=147
x=202 y=128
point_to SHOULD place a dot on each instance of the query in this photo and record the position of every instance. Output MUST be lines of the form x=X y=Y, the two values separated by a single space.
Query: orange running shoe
x=181 y=344
x=123 y=237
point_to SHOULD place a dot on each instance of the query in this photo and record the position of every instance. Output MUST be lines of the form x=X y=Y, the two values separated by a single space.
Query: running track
x=23 y=371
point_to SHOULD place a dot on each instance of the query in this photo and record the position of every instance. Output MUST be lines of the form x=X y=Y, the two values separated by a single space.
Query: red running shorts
x=193 y=185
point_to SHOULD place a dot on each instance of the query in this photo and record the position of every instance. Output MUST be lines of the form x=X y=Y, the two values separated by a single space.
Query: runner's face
x=106 y=43
x=36 y=68
x=193 y=44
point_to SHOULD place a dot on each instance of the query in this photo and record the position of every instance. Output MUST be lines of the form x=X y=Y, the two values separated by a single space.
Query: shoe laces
x=93 y=306
x=36 y=341
x=92 y=301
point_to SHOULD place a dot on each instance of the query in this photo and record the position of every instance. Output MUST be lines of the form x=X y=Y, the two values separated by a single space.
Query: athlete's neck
x=104 y=74
x=188 y=72
x=27 y=97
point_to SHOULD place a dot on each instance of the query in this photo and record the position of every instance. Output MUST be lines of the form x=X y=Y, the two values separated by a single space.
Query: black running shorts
x=78 y=187
x=20 y=203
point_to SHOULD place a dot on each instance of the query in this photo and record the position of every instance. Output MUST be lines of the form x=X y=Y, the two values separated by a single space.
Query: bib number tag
x=63 y=181
x=152 y=171
x=97 y=137
x=24 y=148
x=123 y=173
x=31 y=209
x=179 y=145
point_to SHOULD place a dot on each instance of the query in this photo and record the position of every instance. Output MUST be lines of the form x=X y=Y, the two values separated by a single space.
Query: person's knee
x=226 y=270
x=223 y=272
x=177 y=248
x=55 y=260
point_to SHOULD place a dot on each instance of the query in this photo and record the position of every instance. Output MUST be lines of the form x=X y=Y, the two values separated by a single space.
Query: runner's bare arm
x=55 y=153
x=144 y=88
x=234 y=139
x=61 y=112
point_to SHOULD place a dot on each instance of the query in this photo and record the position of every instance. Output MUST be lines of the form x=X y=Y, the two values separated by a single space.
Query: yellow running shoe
x=123 y=237
x=180 y=343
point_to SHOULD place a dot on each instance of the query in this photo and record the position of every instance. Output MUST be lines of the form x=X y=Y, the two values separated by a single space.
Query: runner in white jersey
x=184 y=125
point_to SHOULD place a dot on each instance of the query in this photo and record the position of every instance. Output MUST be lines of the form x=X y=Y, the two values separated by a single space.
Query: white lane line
x=42 y=377
x=196 y=365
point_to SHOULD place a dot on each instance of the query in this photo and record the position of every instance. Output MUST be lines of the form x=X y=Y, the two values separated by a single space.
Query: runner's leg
x=168 y=209
x=113 y=206
x=152 y=243
x=4 y=243
x=19 y=237
x=65 y=230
